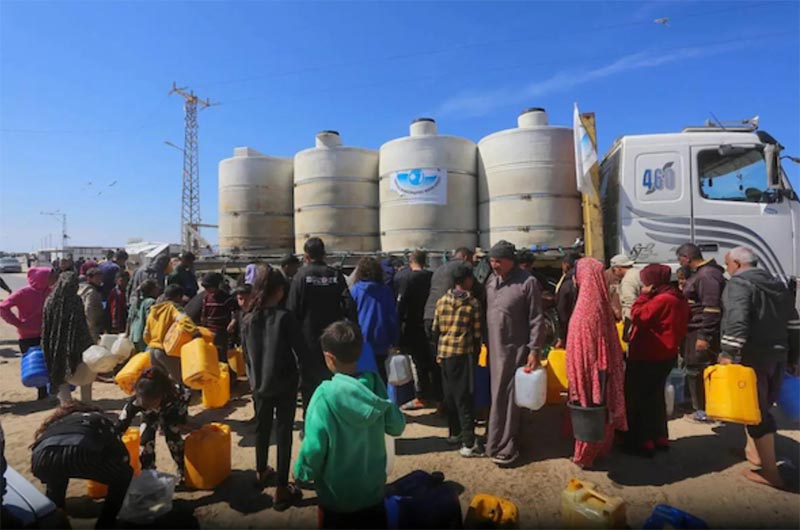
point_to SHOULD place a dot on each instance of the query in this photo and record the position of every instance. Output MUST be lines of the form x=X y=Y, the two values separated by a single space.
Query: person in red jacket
x=660 y=318
x=29 y=302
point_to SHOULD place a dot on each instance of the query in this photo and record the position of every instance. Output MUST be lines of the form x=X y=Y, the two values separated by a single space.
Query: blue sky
x=83 y=93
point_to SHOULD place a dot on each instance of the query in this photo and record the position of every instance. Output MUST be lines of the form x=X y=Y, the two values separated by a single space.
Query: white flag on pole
x=585 y=155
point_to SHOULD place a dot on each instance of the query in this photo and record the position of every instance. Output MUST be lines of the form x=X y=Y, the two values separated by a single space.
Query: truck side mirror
x=771 y=158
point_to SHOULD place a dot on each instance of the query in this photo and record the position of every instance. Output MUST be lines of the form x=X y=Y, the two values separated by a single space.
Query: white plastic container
x=398 y=370
x=99 y=359
x=107 y=340
x=530 y=388
x=390 y=454
x=669 y=398
x=81 y=376
x=122 y=348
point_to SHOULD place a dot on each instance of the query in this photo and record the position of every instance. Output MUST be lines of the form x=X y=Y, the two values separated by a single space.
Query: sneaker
x=471 y=452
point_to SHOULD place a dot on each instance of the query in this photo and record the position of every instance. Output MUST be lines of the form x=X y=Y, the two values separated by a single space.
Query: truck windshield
x=737 y=176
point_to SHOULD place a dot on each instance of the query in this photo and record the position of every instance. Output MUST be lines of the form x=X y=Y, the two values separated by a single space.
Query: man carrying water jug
x=757 y=313
x=515 y=324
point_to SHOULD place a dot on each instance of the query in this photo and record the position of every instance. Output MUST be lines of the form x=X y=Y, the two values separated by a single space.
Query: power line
x=139 y=127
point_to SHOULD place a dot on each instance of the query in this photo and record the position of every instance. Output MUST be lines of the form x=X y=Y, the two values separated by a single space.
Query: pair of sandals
x=505 y=460
x=285 y=496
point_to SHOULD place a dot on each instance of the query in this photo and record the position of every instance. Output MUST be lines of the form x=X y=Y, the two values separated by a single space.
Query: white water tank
x=428 y=191
x=255 y=204
x=526 y=185
x=336 y=195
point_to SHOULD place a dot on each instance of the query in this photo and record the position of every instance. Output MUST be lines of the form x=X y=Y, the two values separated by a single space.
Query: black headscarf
x=65 y=332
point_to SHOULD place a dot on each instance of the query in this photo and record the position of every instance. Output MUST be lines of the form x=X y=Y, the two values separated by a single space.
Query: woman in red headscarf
x=660 y=317
x=594 y=358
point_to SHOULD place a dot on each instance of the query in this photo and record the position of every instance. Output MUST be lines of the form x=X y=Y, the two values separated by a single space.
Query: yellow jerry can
x=582 y=506
x=491 y=511
x=199 y=363
x=131 y=440
x=208 y=456
x=127 y=377
x=217 y=392
x=731 y=393
x=236 y=361
x=556 y=366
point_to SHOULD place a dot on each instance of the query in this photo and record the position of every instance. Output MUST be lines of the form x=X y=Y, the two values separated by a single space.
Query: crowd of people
x=311 y=330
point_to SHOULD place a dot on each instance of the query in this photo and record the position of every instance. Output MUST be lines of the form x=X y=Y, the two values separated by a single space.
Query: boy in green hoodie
x=344 y=449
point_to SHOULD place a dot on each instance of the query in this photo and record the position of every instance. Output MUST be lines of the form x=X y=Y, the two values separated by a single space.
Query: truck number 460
x=659 y=178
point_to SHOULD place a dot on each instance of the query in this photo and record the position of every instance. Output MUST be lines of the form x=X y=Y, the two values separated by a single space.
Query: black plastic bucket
x=588 y=423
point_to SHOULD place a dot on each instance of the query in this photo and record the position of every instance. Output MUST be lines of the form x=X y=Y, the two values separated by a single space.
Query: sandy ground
x=701 y=474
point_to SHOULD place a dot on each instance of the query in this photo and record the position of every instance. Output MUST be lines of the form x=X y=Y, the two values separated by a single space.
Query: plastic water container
x=122 y=348
x=217 y=392
x=556 y=367
x=107 y=340
x=178 y=335
x=131 y=440
x=130 y=373
x=621 y=332
x=390 y=454
x=669 y=399
x=582 y=506
x=491 y=511
x=789 y=398
x=81 y=376
x=664 y=516
x=236 y=361
x=530 y=388
x=731 y=394
x=99 y=359
x=208 y=456
x=400 y=395
x=482 y=395
x=206 y=334
x=199 y=364
x=398 y=369
x=677 y=378
x=33 y=368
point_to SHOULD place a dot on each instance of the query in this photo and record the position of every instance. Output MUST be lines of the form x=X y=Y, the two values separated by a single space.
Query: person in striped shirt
x=457 y=328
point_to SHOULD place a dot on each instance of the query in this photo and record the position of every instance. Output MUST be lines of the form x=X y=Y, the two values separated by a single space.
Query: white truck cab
x=716 y=186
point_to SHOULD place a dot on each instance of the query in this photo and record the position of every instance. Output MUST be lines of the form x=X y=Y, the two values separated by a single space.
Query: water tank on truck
x=526 y=185
x=255 y=204
x=336 y=195
x=428 y=191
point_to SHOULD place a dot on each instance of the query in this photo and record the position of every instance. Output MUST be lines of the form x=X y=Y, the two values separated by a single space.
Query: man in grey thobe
x=516 y=334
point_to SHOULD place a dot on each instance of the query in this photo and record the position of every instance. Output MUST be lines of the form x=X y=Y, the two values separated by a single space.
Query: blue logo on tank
x=416 y=178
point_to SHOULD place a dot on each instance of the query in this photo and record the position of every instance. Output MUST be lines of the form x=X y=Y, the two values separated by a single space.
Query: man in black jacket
x=758 y=311
x=566 y=296
x=413 y=287
x=704 y=292
x=318 y=297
